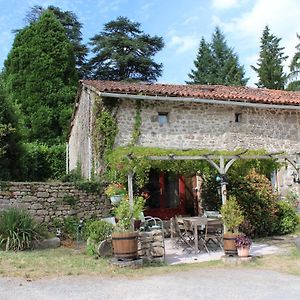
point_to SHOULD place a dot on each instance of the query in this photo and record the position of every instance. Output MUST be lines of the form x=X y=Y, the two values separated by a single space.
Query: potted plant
x=115 y=191
x=124 y=237
x=243 y=243
x=232 y=218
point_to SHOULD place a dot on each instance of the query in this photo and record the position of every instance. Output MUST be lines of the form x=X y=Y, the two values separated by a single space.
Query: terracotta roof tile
x=214 y=92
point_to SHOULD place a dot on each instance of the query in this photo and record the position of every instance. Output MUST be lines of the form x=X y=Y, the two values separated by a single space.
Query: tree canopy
x=10 y=148
x=216 y=63
x=124 y=52
x=270 y=62
x=294 y=81
x=72 y=26
x=40 y=76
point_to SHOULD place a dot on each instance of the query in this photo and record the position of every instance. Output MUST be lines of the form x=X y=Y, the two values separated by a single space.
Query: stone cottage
x=187 y=117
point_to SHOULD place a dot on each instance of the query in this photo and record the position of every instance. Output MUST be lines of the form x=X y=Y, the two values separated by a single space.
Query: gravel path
x=197 y=284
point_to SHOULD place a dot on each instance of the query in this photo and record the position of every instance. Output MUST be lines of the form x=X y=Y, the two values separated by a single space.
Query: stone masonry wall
x=80 y=136
x=207 y=126
x=48 y=201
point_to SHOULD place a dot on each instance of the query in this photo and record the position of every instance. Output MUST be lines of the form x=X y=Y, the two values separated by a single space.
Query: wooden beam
x=217 y=157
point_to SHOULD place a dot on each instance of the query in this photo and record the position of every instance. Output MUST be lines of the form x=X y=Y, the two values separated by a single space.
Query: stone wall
x=151 y=246
x=48 y=201
x=207 y=126
x=80 y=148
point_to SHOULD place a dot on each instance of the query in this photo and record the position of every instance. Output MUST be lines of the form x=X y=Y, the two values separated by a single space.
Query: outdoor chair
x=213 y=234
x=184 y=237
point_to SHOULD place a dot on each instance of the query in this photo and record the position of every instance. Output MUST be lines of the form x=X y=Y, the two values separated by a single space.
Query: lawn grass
x=66 y=261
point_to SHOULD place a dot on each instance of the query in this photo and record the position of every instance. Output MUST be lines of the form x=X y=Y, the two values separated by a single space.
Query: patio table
x=196 y=223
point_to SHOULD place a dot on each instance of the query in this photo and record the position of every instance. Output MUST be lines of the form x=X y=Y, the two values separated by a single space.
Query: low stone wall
x=48 y=201
x=151 y=245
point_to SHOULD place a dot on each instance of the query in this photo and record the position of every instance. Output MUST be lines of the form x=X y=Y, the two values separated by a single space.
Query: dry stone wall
x=48 y=201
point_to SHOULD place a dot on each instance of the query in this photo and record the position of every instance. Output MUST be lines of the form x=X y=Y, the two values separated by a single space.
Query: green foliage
x=287 y=218
x=72 y=28
x=89 y=186
x=257 y=201
x=232 y=214
x=10 y=148
x=40 y=76
x=96 y=232
x=115 y=188
x=293 y=77
x=124 y=159
x=69 y=228
x=137 y=123
x=124 y=214
x=123 y=52
x=73 y=176
x=42 y=162
x=216 y=63
x=270 y=63
x=18 y=230
x=106 y=126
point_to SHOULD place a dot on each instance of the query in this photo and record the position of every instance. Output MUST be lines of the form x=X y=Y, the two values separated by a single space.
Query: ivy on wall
x=136 y=132
x=105 y=128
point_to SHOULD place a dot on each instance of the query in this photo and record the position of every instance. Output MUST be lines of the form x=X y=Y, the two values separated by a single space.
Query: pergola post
x=223 y=183
x=130 y=195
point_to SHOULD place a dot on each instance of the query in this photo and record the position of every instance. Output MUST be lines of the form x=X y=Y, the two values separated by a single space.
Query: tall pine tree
x=216 y=63
x=270 y=63
x=124 y=52
x=294 y=80
x=72 y=27
x=40 y=76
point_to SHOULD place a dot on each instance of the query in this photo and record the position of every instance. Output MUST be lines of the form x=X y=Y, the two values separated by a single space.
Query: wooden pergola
x=223 y=164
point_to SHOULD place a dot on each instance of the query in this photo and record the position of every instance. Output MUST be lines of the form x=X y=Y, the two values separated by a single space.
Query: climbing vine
x=137 y=123
x=124 y=159
x=105 y=125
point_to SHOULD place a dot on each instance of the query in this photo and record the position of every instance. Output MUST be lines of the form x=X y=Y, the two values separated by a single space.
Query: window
x=162 y=118
x=237 y=117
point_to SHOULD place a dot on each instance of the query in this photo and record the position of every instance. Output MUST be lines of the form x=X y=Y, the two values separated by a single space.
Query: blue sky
x=181 y=23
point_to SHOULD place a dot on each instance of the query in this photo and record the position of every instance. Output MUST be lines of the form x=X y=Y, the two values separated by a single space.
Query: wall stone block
x=45 y=201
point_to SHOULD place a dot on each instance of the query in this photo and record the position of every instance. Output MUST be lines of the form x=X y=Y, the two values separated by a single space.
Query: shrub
x=258 y=203
x=287 y=220
x=18 y=230
x=232 y=214
x=70 y=227
x=42 y=162
x=96 y=232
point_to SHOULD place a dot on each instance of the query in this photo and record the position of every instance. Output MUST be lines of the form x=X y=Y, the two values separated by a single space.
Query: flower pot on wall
x=115 y=199
x=125 y=245
x=243 y=251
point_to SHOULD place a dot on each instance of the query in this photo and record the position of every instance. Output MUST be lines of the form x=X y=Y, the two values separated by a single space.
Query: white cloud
x=182 y=43
x=224 y=4
x=190 y=20
x=282 y=17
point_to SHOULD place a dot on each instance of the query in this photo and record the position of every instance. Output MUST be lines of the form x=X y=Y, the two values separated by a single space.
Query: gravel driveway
x=196 y=284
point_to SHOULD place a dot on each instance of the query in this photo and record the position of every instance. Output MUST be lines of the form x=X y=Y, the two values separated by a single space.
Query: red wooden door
x=167 y=195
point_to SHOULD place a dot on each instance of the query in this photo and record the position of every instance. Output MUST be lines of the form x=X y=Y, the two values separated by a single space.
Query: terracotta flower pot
x=243 y=251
